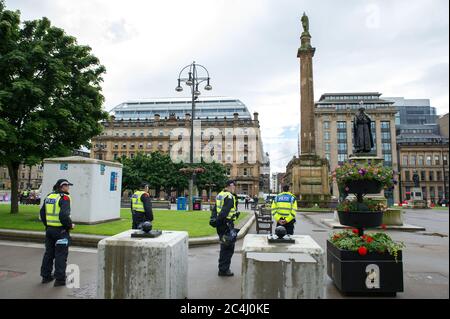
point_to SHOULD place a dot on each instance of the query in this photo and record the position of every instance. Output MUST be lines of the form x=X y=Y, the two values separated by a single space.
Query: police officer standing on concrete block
x=284 y=208
x=141 y=207
x=226 y=205
x=55 y=215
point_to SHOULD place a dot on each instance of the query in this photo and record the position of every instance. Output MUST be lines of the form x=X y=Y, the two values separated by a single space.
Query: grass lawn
x=440 y=208
x=196 y=223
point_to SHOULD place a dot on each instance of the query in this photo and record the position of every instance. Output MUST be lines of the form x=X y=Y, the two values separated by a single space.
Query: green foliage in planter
x=351 y=171
x=372 y=243
x=367 y=205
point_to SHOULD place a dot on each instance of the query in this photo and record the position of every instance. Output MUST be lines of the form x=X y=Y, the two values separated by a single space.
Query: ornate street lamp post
x=193 y=81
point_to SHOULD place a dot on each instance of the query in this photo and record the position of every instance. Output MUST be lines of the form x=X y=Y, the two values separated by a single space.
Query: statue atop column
x=305 y=23
x=362 y=132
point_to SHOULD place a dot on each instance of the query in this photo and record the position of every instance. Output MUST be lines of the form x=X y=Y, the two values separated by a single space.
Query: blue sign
x=113 y=182
x=102 y=169
x=63 y=166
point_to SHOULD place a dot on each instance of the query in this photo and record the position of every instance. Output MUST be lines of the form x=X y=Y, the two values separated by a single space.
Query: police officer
x=226 y=205
x=141 y=207
x=284 y=207
x=55 y=215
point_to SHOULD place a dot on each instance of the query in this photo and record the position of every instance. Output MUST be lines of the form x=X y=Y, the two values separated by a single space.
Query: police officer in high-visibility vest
x=55 y=215
x=226 y=205
x=284 y=207
x=141 y=207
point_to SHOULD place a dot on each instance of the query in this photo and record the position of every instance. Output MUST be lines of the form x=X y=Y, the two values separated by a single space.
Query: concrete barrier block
x=282 y=271
x=143 y=268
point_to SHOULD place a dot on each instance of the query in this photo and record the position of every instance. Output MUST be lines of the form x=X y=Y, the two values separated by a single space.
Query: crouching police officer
x=284 y=207
x=55 y=215
x=141 y=207
x=226 y=205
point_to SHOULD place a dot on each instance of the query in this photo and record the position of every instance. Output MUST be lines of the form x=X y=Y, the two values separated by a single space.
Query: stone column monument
x=308 y=173
x=307 y=127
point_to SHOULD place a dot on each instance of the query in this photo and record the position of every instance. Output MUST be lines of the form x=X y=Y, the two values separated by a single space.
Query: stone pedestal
x=143 y=268
x=285 y=271
x=308 y=176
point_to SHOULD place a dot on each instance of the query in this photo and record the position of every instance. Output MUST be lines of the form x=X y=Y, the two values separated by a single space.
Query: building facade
x=443 y=125
x=429 y=158
x=138 y=126
x=334 y=114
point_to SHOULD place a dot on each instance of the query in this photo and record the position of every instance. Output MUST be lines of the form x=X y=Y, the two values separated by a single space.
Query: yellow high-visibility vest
x=284 y=205
x=52 y=209
x=137 y=203
x=220 y=198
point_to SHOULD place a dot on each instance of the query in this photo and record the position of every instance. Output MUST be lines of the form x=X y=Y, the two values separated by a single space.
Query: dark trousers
x=57 y=242
x=138 y=218
x=226 y=251
x=289 y=227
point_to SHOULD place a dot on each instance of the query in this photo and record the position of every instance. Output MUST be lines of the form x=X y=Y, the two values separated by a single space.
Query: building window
x=149 y=145
x=405 y=160
x=386 y=136
x=444 y=160
x=439 y=176
x=124 y=145
x=412 y=160
x=124 y=133
x=342 y=148
x=161 y=133
x=420 y=160
x=228 y=171
x=385 y=125
x=245 y=172
x=431 y=176
x=131 y=155
x=327 y=147
x=132 y=145
x=422 y=176
x=149 y=132
x=342 y=158
x=386 y=146
x=326 y=136
x=141 y=146
x=428 y=160
x=437 y=160
x=142 y=133
x=328 y=156
x=326 y=125
x=116 y=146
x=341 y=125
x=407 y=176
x=115 y=156
x=133 y=134
x=387 y=159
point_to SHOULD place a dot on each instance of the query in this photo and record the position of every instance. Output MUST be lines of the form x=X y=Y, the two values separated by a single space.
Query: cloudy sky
x=395 y=47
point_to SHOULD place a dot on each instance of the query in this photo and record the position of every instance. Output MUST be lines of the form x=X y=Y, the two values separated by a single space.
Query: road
x=425 y=258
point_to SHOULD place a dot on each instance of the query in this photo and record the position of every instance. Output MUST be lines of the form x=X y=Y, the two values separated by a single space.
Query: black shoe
x=227 y=273
x=59 y=283
x=46 y=280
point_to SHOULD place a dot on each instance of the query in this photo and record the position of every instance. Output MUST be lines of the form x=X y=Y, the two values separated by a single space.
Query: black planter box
x=364 y=187
x=361 y=219
x=372 y=274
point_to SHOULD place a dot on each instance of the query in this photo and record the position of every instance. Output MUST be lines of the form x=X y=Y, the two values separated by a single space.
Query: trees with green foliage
x=161 y=173
x=50 y=94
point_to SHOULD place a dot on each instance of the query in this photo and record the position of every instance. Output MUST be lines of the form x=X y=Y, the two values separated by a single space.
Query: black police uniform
x=57 y=240
x=223 y=228
x=289 y=227
x=140 y=217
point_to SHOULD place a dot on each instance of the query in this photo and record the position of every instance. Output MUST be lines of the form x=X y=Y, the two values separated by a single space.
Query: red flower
x=383 y=226
x=355 y=231
x=362 y=251
x=369 y=239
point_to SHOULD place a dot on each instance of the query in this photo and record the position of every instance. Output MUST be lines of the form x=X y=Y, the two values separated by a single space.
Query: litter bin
x=181 y=203
x=197 y=204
